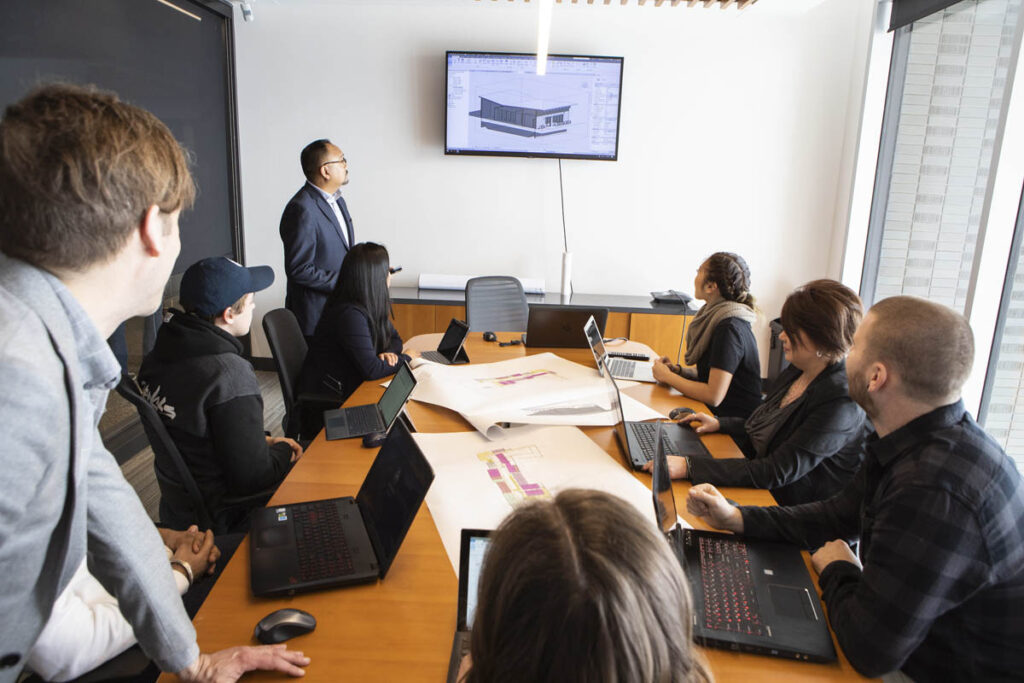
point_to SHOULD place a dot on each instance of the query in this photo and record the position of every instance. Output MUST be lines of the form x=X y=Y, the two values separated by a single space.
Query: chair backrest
x=496 y=303
x=288 y=347
x=181 y=503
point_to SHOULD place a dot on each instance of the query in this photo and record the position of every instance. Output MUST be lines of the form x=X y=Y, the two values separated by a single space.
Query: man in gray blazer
x=90 y=193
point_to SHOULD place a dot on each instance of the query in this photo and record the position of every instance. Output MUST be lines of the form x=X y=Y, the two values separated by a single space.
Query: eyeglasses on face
x=342 y=160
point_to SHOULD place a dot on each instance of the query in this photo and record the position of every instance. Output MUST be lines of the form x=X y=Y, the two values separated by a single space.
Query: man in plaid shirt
x=938 y=507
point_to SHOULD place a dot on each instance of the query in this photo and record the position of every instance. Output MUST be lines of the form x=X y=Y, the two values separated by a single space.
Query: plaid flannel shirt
x=939 y=511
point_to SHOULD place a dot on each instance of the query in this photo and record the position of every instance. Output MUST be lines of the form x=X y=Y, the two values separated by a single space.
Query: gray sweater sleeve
x=127 y=556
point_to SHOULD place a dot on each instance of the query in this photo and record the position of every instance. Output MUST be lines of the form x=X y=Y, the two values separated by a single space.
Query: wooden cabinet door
x=444 y=314
x=414 y=319
x=661 y=332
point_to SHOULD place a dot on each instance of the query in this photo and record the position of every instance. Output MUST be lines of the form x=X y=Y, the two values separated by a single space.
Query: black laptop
x=560 y=327
x=638 y=439
x=343 y=423
x=451 y=350
x=748 y=595
x=341 y=541
x=471 y=559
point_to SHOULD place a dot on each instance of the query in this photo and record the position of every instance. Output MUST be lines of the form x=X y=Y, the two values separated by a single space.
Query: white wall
x=737 y=133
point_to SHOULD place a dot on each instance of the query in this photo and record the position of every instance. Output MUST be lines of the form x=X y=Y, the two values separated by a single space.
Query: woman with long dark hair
x=720 y=344
x=355 y=340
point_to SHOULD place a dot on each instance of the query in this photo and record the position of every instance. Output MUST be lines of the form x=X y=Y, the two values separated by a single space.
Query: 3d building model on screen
x=530 y=117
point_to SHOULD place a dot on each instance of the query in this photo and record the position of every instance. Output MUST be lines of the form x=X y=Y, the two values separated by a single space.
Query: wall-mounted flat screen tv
x=498 y=106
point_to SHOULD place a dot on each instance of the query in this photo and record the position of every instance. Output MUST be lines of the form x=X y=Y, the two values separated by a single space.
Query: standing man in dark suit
x=316 y=229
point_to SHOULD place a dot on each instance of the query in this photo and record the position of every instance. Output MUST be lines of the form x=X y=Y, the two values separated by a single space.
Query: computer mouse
x=283 y=624
x=679 y=412
x=374 y=439
x=490 y=336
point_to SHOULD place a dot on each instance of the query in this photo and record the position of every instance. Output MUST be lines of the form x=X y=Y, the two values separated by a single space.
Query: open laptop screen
x=615 y=400
x=452 y=340
x=477 y=548
x=661 y=487
x=596 y=341
x=394 y=396
x=392 y=493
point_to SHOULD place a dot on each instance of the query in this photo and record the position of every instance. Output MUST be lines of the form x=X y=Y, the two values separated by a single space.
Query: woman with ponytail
x=725 y=372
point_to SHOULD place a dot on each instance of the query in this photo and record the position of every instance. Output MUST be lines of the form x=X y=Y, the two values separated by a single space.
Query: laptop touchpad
x=274 y=536
x=791 y=602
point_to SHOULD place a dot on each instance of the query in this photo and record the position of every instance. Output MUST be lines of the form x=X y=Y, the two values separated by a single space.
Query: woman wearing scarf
x=719 y=342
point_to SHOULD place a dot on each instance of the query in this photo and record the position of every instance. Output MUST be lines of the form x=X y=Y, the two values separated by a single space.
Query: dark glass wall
x=175 y=65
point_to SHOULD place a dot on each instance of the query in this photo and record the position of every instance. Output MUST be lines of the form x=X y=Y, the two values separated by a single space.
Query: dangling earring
x=818 y=353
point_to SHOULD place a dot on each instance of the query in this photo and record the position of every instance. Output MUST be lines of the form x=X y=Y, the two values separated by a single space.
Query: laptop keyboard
x=621 y=368
x=320 y=541
x=730 y=602
x=647 y=436
x=434 y=356
x=362 y=419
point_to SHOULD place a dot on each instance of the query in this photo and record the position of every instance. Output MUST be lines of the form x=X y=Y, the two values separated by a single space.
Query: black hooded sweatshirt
x=208 y=396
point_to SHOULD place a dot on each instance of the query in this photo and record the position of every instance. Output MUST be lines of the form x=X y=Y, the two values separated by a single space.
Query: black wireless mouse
x=680 y=412
x=374 y=439
x=283 y=624
x=490 y=336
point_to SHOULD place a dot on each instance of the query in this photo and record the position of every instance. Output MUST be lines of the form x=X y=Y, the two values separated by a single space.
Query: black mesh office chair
x=181 y=503
x=288 y=348
x=496 y=303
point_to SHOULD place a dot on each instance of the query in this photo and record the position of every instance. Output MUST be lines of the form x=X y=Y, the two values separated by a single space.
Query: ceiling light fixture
x=543 y=34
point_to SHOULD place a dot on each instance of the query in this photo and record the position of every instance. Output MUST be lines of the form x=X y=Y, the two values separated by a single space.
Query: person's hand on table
x=702 y=423
x=705 y=501
x=676 y=467
x=412 y=353
x=833 y=551
x=389 y=358
x=227 y=666
x=292 y=443
x=662 y=370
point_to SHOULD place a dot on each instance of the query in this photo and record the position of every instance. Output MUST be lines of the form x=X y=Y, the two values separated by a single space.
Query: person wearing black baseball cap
x=208 y=395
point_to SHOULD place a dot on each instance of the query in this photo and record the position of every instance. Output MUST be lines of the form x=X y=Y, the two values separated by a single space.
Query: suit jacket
x=313 y=252
x=811 y=455
x=63 y=493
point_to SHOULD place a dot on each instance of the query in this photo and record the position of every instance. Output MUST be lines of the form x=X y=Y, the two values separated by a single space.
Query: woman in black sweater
x=806 y=441
x=355 y=340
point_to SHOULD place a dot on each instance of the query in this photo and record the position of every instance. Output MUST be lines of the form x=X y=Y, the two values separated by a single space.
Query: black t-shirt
x=734 y=350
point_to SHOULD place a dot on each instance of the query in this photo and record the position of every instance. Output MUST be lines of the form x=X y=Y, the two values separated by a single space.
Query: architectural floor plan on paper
x=503 y=469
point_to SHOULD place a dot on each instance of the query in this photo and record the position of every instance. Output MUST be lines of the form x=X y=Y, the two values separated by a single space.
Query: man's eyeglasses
x=342 y=160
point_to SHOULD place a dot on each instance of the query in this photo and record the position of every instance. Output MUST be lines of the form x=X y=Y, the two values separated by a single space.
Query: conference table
x=400 y=628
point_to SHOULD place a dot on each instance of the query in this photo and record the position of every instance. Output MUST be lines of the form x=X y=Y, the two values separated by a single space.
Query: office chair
x=181 y=503
x=288 y=348
x=496 y=303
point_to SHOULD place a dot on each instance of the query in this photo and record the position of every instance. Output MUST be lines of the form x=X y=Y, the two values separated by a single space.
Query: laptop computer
x=343 y=423
x=748 y=596
x=450 y=351
x=471 y=559
x=558 y=327
x=341 y=541
x=638 y=439
x=622 y=368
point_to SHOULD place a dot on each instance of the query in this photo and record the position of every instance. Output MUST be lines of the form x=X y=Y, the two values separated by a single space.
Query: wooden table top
x=400 y=629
